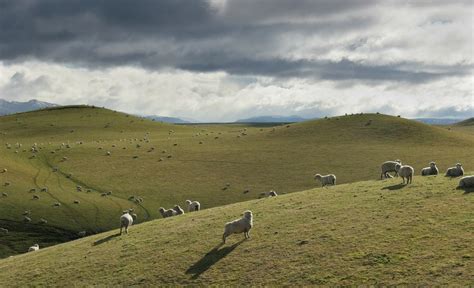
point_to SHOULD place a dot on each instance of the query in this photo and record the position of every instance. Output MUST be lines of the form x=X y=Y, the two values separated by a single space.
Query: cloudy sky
x=221 y=60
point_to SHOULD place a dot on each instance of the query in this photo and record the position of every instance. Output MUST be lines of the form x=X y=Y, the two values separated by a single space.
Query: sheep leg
x=223 y=238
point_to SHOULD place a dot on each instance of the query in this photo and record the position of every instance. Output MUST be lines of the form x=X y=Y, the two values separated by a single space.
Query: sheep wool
x=193 y=205
x=455 y=171
x=242 y=225
x=33 y=248
x=389 y=166
x=432 y=170
x=126 y=220
x=466 y=182
x=405 y=171
x=329 y=179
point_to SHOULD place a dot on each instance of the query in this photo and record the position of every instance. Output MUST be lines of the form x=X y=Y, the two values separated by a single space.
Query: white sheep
x=329 y=179
x=242 y=225
x=432 y=170
x=178 y=209
x=389 y=166
x=271 y=193
x=466 y=182
x=455 y=171
x=126 y=220
x=34 y=248
x=81 y=233
x=193 y=205
x=167 y=212
x=3 y=230
x=405 y=171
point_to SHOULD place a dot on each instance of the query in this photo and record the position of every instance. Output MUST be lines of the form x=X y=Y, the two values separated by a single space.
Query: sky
x=222 y=60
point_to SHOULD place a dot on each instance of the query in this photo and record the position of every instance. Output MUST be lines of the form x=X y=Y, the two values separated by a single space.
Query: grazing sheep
x=466 y=182
x=81 y=233
x=242 y=225
x=405 y=171
x=36 y=197
x=4 y=230
x=271 y=193
x=27 y=219
x=126 y=220
x=193 y=205
x=77 y=202
x=389 y=166
x=432 y=170
x=4 y=170
x=178 y=209
x=4 y=194
x=167 y=212
x=34 y=248
x=455 y=171
x=329 y=179
x=43 y=221
x=57 y=204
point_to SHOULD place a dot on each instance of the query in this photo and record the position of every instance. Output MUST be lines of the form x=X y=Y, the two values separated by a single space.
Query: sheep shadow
x=211 y=258
x=394 y=187
x=106 y=239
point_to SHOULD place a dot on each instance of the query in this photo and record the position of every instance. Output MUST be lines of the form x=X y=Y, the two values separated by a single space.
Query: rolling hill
x=166 y=164
x=363 y=233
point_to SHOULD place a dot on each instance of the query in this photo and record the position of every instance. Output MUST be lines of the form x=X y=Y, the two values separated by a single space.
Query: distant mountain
x=11 y=107
x=438 y=121
x=165 y=119
x=272 y=119
x=467 y=122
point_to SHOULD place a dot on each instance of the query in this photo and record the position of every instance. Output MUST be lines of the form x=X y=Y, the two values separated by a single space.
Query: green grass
x=363 y=233
x=283 y=158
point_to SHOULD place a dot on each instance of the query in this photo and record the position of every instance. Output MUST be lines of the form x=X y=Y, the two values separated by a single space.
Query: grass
x=247 y=157
x=363 y=233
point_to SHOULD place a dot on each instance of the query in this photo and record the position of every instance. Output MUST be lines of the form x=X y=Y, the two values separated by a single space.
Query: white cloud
x=218 y=96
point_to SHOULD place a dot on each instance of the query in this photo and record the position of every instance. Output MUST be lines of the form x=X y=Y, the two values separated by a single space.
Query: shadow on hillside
x=211 y=258
x=394 y=187
x=106 y=239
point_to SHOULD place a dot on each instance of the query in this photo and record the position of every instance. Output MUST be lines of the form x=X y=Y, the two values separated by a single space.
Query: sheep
x=455 y=171
x=126 y=220
x=242 y=225
x=43 y=221
x=81 y=233
x=36 y=197
x=466 y=182
x=329 y=179
x=57 y=204
x=405 y=171
x=432 y=170
x=193 y=205
x=77 y=202
x=4 y=170
x=4 y=194
x=167 y=212
x=27 y=219
x=3 y=230
x=271 y=193
x=33 y=248
x=389 y=166
x=178 y=209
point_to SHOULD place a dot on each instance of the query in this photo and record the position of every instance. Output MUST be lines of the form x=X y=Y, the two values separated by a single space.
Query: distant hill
x=272 y=119
x=11 y=107
x=467 y=122
x=165 y=119
x=438 y=121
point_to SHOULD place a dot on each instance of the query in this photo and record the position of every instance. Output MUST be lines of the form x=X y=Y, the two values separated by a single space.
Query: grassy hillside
x=166 y=164
x=369 y=233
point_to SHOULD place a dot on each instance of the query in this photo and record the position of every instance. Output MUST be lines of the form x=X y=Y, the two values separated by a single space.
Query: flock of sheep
x=407 y=171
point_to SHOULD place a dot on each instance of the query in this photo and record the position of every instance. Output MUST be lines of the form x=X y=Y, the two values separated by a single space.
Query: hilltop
x=364 y=233
x=166 y=164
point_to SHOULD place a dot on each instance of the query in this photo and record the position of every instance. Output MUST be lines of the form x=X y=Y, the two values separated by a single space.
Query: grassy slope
x=283 y=159
x=374 y=232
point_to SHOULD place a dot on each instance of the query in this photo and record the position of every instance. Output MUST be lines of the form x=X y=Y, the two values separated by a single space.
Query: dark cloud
x=240 y=37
